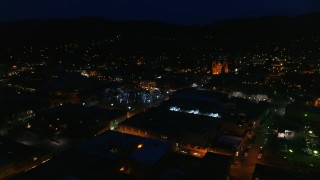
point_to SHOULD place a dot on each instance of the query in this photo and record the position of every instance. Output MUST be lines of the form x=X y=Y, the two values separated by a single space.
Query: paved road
x=244 y=170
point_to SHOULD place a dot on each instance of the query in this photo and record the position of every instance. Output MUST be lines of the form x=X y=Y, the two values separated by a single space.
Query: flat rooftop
x=210 y=101
x=116 y=145
x=11 y=151
x=73 y=165
x=169 y=122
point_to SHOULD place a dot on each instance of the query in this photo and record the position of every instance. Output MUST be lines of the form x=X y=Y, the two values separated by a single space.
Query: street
x=244 y=170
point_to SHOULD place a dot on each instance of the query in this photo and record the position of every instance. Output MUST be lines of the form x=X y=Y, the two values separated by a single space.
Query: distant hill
x=235 y=36
x=308 y=23
x=271 y=25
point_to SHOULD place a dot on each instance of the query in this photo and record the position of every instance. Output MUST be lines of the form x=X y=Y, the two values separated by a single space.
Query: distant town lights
x=140 y=146
x=290 y=150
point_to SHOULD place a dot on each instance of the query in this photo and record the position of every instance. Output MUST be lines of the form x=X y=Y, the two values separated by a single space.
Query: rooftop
x=169 y=122
x=72 y=165
x=199 y=95
x=11 y=151
x=115 y=145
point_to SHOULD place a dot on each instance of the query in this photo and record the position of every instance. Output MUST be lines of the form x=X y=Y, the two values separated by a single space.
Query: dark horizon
x=159 y=89
x=155 y=21
x=177 y=12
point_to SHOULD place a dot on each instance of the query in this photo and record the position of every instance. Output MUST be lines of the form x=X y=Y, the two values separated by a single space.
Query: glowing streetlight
x=122 y=169
x=28 y=125
x=290 y=150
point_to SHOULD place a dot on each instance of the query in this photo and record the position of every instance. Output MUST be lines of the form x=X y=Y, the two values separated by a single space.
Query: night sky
x=171 y=11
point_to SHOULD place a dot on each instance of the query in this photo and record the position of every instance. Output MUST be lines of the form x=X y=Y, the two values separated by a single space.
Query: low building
x=77 y=120
x=135 y=155
x=64 y=126
x=110 y=155
x=180 y=129
x=115 y=155
x=73 y=164
x=16 y=158
x=194 y=122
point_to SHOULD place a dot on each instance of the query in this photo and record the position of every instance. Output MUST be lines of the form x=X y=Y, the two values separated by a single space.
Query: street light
x=122 y=169
x=290 y=150
x=315 y=152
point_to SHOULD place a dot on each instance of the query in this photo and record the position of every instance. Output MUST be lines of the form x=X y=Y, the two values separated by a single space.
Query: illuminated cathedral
x=219 y=67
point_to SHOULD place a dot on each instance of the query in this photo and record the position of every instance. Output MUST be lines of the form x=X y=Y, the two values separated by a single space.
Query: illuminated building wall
x=317 y=103
x=219 y=67
x=225 y=67
x=216 y=67
x=278 y=69
x=148 y=85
